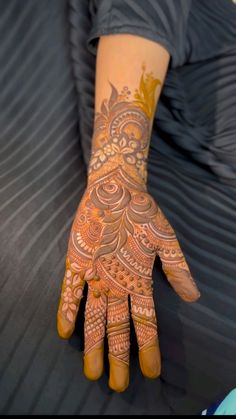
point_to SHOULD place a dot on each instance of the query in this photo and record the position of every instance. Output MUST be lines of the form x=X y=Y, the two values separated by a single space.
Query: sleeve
x=162 y=21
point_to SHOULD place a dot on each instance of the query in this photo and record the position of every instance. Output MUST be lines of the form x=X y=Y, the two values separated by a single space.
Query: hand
x=117 y=233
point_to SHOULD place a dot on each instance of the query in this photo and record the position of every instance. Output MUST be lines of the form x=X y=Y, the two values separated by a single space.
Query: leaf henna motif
x=127 y=209
x=145 y=96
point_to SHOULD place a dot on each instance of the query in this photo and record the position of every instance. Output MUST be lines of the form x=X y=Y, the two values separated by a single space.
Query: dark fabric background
x=46 y=114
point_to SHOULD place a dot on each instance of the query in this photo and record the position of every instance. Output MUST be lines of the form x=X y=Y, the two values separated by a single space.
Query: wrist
x=119 y=153
x=122 y=132
x=118 y=176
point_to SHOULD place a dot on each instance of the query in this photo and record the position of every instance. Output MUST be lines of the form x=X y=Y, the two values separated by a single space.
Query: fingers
x=118 y=331
x=173 y=261
x=144 y=318
x=72 y=290
x=95 y=321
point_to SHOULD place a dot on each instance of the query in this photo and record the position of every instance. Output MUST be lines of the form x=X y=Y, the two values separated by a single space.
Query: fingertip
x=150 y=360
x=191 y=297
x=119 y=374
x=183 y=283
x=64 y=328
x=93 y=363
x=188 y=289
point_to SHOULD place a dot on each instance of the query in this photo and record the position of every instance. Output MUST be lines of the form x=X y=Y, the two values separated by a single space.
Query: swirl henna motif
x=117 y=232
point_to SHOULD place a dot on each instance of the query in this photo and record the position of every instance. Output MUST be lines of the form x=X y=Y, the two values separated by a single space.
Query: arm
x=130 y=72
x=119 y=229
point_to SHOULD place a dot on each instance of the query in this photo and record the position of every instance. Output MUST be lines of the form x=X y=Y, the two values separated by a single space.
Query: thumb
x=173 y=261
x=181 y=280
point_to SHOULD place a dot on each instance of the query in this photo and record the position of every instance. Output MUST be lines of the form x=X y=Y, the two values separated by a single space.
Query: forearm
x=130 y=72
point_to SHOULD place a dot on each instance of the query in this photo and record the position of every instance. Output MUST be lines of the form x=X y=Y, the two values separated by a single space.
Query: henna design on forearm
x=122 y=130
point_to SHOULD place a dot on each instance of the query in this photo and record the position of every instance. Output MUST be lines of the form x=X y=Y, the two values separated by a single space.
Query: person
x=47 y=69
x=118 y=228
x=165 y=78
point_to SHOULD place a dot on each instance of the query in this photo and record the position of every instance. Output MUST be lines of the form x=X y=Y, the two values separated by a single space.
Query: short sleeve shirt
x=195 y=123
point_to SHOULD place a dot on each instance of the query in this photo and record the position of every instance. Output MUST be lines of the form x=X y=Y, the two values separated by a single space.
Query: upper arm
x=150 y=32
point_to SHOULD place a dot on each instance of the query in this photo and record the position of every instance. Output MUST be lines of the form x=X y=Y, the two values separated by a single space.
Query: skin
x=119 y=229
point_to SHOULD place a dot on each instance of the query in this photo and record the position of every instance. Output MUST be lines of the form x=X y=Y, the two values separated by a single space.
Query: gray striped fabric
x=46 y=103
x=42 y=177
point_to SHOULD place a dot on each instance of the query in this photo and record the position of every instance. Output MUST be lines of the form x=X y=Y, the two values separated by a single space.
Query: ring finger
x=118 y=331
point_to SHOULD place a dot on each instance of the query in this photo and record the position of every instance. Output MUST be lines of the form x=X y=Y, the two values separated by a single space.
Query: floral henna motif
x=72 y=291
x=122 y=130
x=128 y=137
